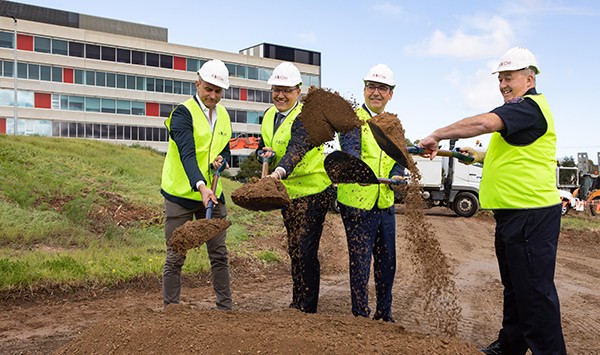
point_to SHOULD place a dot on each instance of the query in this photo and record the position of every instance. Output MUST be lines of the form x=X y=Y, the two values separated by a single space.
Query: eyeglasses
x=383 y=89
x=286 y=92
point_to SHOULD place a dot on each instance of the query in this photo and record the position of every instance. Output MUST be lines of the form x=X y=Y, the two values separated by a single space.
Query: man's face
x=285 y=97
x=209 y=94
x=515 y=83
x=377 y=96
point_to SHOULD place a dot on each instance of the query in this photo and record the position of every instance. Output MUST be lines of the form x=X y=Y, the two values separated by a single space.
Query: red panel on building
x=68 y=75
x=152 y=109
x=2 y=125
x=243 y=94
x=42 y=100
x=24 y=42
x=179 y=63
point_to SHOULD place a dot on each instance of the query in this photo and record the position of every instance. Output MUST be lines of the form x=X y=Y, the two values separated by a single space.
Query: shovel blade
x=343 y=168
x=387 y=145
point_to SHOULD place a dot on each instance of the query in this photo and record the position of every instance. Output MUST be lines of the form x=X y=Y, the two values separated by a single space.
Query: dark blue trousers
x=526 y=243
x=371 y=233
x=303 y=220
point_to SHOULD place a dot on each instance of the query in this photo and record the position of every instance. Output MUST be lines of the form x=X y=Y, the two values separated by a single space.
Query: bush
x=250 y=167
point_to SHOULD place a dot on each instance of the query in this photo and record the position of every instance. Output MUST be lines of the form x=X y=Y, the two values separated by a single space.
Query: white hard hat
x=215 y=72
x=517 y=58
x=285 y=74
x=381 y=73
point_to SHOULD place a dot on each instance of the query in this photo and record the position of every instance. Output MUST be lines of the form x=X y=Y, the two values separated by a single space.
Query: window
x=165 y=110
x=253 y=117
x=177 y=87
x=241 y=116
x=90 y=77
x=166 y=61
x=134 y=133
x=187 y=88
x=123 y=55
x=42 y=44
x=231 y=69
x=169 y=86
x=108 y=106
x=92 y=51
x=235 y=93
x=79 y=76
x=22 y=70
x=75 y=103
x=6 y=39
x=8 y=69
x=149 y=84
x=45 y=72
x=57 y=74
x=60 y=47
x=76 y=49
x=124 y=107
x=241 y=71
x=152 y=59
x=108 y=53
x=253 y=73
x=130 y=82
x=111 y=80
x=64 y=102
x=264 y=74
x=92 y=104
x=100 y=78
x=140 y=83
x=138 y=108
x=121 y=81
x=33 y=71
x=193 y=64
x=138 y=57
x=159 y=85
x=251 y=95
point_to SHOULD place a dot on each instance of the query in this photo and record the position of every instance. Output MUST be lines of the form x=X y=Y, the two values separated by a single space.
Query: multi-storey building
x=88 y=77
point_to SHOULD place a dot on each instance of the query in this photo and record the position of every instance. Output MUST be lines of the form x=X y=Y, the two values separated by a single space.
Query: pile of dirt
x=324 y=113
x=193 y=234
x=183 y=329
x=389 y=134
x=266 y=194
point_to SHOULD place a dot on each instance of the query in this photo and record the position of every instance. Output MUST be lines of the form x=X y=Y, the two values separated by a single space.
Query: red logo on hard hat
x=506 y=62
x=379 y=76
x=282 y=77
x=220 y=78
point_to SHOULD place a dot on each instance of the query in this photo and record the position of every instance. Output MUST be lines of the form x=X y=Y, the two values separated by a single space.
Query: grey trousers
x=175 y=216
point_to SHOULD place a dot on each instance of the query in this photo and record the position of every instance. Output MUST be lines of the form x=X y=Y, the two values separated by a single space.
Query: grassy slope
x=85 y=213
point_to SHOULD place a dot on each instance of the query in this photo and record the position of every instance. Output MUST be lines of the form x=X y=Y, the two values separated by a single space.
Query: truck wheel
x=595 y=208
x=465 y=204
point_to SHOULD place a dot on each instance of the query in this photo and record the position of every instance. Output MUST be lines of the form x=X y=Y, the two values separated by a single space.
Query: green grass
x=81 y=213
x=580 y=221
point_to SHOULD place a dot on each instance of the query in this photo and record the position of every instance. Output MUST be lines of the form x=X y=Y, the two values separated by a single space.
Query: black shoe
x=389 y=319
x=492 y=349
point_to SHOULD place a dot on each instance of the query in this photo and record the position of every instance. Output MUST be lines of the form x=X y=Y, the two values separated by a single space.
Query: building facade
x=81 y=76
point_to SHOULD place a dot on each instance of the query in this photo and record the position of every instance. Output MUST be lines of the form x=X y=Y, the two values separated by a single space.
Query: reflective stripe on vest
x=208 y=146
x=517 y=177
x=309 y=176
x=365 y=197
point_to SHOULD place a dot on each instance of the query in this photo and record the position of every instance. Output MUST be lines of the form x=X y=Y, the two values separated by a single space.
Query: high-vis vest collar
x=208 y=146
x=519 y=177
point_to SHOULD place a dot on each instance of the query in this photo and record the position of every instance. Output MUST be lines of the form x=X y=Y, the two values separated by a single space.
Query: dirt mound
x=264 y=194
x=184 y=329
x=193 y=234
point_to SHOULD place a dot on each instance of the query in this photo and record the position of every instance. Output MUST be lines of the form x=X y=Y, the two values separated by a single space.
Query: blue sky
x=442 y=53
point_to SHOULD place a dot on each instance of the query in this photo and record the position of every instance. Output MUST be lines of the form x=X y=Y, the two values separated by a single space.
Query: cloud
x=307 y=37
x=387 y=8
x=488 y=37
x=548 y=7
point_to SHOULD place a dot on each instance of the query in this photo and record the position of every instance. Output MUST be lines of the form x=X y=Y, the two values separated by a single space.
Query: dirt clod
x=193 y=234
x=264 y=194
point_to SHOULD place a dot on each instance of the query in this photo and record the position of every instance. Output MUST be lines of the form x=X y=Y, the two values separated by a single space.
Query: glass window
x=111 y=80
x=8 y=69
x=130 y=82
x=100 y=78
x=90 y=77
x=165 y=110
x=25 y=98
x=108 y=105
x=253 y=73
x=22 y=70
x=76 y=49
x=41 y=44
x=75 y=103
x=123 y=55
x=134 y=133
x=108 y=53
x=119 y=132
x=152 y=59
x=138 y=57
x=60 y=47
x=80 y=129
x=187 y=88
x=166 y=61
x=241 y=71
x=64 y=102
x=79 y=76
x=193 y=64
x=264 y=73
x=159 y=85
x=149 y=84
x=6 y=39
x=33 y=71
x=45 y=73
x=241 y=116
x=142 y=134
x=140 y=83
x=251 y=95
x=169 y=86
x=121 y=81
x=162 y=134
x=155 y=134
x=92 y=104
x=57 y=74
x=92 y=51
x=253 y=117
x=124 y=107
x=127 y=132
x=111 y=131
x=177 y=87
x=89 y=130
x=235 y=93
x=138 y=108
x=231 y=69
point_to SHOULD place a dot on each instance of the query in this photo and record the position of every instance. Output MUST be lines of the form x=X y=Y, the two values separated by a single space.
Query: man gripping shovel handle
x=194 y=233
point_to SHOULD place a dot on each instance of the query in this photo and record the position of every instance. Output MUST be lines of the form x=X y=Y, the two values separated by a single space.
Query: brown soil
x=391 y=138
x=129 y=319
x=266 y=194
x=326 y=112
x=193 y=234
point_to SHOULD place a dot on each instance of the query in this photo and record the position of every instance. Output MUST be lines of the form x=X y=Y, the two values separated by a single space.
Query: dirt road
x=131 y=320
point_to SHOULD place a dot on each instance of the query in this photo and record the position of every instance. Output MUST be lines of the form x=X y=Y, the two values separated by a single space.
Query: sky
x=442 y=53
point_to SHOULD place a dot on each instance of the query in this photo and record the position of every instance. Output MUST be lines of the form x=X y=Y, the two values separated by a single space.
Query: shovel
x=396 y=153
x=216 y=174
x=265 y=163
x=344 y=168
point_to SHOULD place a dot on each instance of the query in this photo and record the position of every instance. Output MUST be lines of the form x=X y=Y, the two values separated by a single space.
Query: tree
x=249 y=167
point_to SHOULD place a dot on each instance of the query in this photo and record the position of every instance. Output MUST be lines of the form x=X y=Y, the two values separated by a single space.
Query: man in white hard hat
x=306 y=183
x=368 y=211
x=519 y=185
x=199 y=132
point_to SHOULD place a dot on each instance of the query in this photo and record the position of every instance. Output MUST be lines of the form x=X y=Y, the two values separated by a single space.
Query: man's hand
x=208 y=195
x=431 y=144
x=267 y=154
x=216 y=164
x=278 y=173
x=477 y=155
